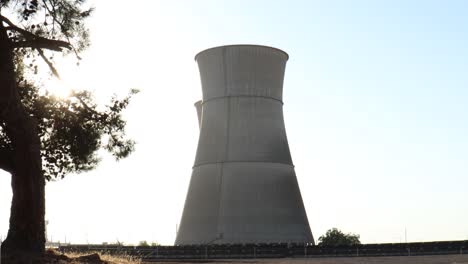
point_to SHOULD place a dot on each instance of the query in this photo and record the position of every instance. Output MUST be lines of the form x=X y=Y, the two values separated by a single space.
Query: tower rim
x=242 y=45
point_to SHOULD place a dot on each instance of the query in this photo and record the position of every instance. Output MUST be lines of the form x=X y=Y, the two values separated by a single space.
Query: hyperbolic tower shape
x=243 y=187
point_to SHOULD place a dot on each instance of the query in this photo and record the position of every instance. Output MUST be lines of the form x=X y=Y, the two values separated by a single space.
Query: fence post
x=206 y=252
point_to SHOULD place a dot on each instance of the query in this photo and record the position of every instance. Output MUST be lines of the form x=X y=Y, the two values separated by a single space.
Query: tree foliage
x=47 y=24
x=143 y=243
x=72 y=130
x=335 y=237
x=40 y=28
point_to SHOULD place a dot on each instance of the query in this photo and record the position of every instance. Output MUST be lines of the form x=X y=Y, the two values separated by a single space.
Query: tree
x=143 y=243
x=42 y=137
x=334 y=237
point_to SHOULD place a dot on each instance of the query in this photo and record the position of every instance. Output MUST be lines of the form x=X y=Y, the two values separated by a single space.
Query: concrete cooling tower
x=243 y=187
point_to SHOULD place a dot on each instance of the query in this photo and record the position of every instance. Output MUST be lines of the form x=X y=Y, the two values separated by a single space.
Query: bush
x=334 y=238
x=143 y=244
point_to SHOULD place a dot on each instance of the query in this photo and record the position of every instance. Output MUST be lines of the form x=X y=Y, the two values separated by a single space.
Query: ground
x=53 y=257
x=446 y=259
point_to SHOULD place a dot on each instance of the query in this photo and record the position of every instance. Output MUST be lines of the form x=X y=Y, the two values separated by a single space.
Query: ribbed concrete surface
x=243 y=187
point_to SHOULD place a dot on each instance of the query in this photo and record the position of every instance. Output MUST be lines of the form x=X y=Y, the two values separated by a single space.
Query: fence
x=237 y=251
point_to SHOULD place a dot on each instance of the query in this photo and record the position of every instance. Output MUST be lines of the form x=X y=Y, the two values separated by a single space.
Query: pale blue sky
x=375 y=107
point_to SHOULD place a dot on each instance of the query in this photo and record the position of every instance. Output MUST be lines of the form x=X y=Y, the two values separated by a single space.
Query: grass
x=53 y=256
x=121 y=259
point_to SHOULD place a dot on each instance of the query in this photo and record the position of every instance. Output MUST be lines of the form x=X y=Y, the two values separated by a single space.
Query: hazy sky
x=376 y=111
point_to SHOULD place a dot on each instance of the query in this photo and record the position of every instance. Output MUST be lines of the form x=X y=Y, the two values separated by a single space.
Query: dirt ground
x=95 y=259
x=446 y=259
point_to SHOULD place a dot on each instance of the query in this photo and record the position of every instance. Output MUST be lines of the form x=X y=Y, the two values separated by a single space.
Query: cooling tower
x=198 y=107
x=243 y=187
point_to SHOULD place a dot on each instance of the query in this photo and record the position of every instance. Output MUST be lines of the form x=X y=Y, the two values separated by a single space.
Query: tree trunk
x=27 y=229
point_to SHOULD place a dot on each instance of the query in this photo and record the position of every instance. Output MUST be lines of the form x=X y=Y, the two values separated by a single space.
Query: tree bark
x=26 y=233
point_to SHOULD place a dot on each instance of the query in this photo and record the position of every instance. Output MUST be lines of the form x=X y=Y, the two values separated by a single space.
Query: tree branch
x=83 y=103
x=34 y=41
x=41 y=43
x=51 y=66
x=55 y=20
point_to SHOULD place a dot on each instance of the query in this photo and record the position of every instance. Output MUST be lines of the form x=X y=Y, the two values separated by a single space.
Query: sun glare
x=58 y=88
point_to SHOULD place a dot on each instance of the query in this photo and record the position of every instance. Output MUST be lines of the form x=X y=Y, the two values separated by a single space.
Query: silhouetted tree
x=143 y=243
x=334 y=237
x=42 y=137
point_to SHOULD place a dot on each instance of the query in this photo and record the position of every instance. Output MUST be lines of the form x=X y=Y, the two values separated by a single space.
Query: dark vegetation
x=43 y=137
x=335 y=238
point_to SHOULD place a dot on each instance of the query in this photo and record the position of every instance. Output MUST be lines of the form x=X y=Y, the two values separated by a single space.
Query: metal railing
x=239 y=251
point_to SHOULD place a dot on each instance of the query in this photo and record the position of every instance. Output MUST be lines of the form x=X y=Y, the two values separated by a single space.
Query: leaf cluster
x=41 y=25
x=73 y=130
x=53 y=19
x=336 y=238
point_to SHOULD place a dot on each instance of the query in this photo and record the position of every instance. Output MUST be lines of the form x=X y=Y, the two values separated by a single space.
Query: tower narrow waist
x=242 y=96
x=241 y=161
